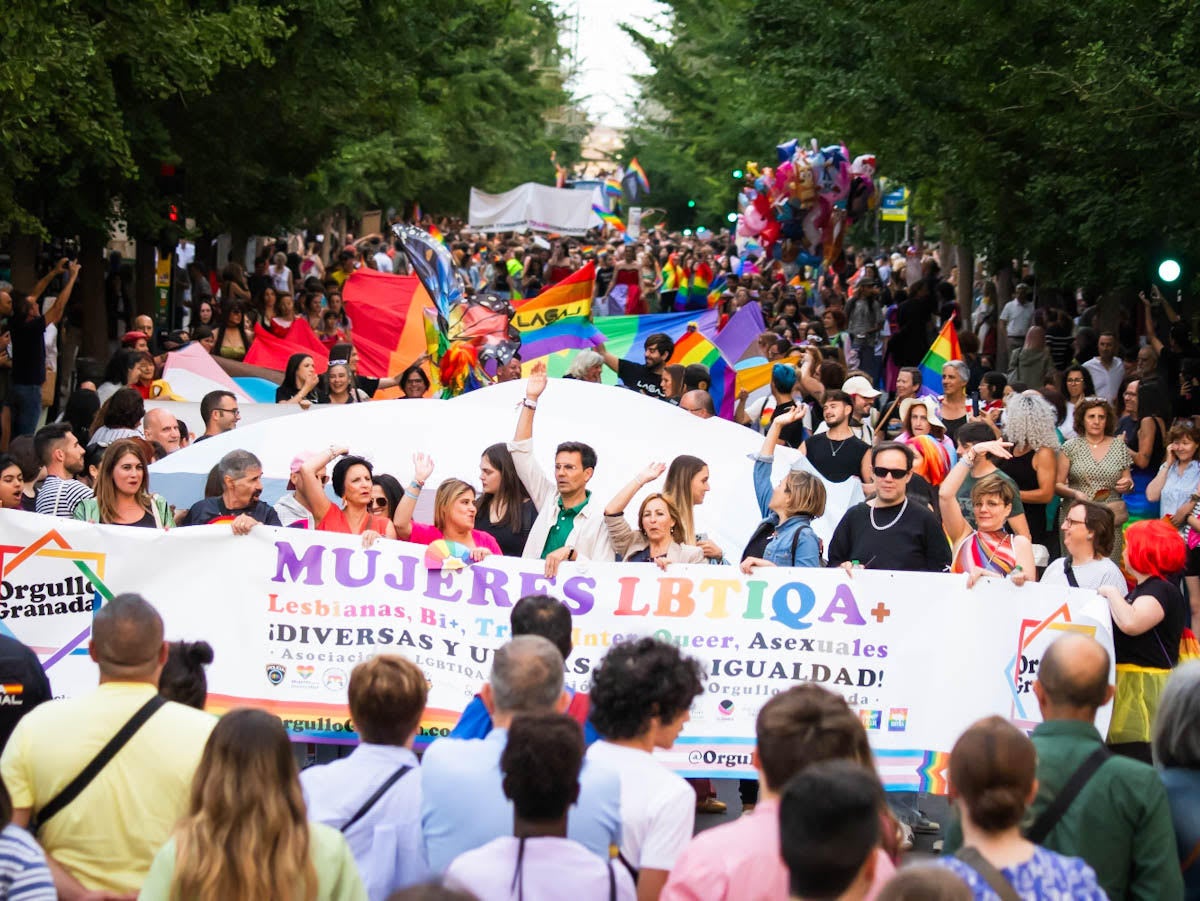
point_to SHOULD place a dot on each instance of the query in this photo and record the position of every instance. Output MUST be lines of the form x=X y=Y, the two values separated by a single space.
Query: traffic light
x=738 y=173
x=732 y=217
x=173 y=213
x=1169 y=270
x=691 y=204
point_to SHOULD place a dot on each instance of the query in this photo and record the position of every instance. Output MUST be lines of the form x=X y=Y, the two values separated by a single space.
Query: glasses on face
x=885 y=471
x=1075 y=381
x=377 y=503
x=235 y=411
x=1074 y=522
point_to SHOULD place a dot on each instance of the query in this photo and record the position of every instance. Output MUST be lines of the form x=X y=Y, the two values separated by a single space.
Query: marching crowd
x=1045 y=457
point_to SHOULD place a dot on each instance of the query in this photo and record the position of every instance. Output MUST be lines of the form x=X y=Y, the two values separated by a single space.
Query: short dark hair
x=829 y=826
x=914 y=373
x=586 y=454
x=837 y=396
x=338 y=478
x=661 y=342
x=125 y=409
x=639 y=680
x=540 y=614
x=893 y=446
x=182 y=678
x=211 y=402
x=45 y=441
x=387 y=696
x=997 y=381
x=804 y=725
x=975 y=433
x=694 y=374
x=541 y=761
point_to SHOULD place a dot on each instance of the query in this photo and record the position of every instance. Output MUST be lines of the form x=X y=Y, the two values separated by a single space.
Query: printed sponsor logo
x=275 y=673
x=897 y=719
x=872 y=720
x=334 y=679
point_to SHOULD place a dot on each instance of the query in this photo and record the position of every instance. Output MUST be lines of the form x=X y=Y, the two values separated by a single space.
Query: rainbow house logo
x=44 y=584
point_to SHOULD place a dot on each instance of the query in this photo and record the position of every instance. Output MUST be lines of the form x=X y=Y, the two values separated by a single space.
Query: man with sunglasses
x=891 y=531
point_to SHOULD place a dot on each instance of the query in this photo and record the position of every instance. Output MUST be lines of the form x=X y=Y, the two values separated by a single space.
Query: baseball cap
x=859 y=385
x=131 y=338
x=300 y=459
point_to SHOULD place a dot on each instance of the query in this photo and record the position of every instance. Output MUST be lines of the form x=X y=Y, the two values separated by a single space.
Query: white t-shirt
x=383 y=262
x=551 y=868
x=1092 y=575
x=658 y=808
x=1017 y=317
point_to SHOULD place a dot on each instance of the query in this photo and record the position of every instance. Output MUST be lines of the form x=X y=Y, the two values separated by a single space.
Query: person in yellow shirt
x=106 y=837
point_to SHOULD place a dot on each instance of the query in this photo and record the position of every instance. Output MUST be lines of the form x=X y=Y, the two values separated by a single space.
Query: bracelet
x=529 y=404
x=415 y=484
x=408 y=493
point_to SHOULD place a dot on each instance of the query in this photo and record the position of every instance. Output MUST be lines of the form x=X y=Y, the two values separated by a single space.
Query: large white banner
x=290 y=613
x=627 y=430
x=535 y=207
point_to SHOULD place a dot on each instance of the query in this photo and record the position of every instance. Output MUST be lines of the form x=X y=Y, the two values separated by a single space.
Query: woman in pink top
x=352 y=482
x=453 y=513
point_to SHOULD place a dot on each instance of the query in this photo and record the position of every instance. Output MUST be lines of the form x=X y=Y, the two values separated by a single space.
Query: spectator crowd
x=1056 y=450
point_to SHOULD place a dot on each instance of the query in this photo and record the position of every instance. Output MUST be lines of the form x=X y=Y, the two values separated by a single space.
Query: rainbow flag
x=612 y=186
x=942 y=351
x=715 y=290
x=436 y=234
x=695 y=347
x=559 y=317
x=636 y=167
x=672 y=275
x=696 y=296
x=610 y=219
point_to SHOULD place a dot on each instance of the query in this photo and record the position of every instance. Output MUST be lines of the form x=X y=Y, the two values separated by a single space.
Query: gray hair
x=237 y=463
x=1030 y=421
x=960 y=367
x=527 y=675
x=1176 y=736
x=5 y=286
x=584 y=360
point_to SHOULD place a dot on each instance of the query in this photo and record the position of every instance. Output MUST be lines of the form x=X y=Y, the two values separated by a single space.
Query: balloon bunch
x=463 y=334
x=799 y=210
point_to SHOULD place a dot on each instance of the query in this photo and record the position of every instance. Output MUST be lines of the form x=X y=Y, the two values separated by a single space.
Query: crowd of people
x=1044 y=457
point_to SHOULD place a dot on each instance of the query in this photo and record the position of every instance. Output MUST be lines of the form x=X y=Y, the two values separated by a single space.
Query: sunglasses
x=881 y=471
x=378 y=503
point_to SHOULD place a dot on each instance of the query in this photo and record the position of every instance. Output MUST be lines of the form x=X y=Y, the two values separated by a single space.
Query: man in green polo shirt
x=1119 y=822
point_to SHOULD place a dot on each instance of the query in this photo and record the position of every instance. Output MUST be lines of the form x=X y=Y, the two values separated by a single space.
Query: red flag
x=272 y=352
x=380 y=307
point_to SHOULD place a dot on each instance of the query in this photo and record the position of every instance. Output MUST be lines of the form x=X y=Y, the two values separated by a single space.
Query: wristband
x=529 y=404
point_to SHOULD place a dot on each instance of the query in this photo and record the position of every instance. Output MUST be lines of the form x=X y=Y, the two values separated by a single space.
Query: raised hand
x=651 y=472
x=537 y=381
x=422 y=466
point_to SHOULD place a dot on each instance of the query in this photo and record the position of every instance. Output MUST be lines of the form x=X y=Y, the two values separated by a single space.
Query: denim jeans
x=27 y=408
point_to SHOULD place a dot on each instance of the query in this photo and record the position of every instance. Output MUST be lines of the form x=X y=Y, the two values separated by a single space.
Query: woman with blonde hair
x=246 y=835
x=123 y=495
x=659 y=537
x=686 y=486
x=453 y=513
x=785 y=537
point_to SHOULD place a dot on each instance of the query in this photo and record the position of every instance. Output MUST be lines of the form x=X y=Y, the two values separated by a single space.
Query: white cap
x=859 y=385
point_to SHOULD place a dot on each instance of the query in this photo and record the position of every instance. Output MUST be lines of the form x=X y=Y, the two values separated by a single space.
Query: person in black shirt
x=23 y=684
x=504 y=509
x=27 y=327
x=644 y=378
x=346 y=353
x=837 y=454
x=892 y=531
x=238 y=503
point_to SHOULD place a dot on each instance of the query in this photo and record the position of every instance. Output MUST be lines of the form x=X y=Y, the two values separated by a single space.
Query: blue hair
x=783 y=377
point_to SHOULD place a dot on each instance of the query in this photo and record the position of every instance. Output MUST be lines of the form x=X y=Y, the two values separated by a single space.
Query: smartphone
x=974 y=403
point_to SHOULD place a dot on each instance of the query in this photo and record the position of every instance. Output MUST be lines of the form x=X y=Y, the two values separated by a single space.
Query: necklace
x=833 y=451
x=899 y=516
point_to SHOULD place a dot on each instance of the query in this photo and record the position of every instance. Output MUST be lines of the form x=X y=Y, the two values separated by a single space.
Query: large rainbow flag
x=560 y=317
x=942 y=351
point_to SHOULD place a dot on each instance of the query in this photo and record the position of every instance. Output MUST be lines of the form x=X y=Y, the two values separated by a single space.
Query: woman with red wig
x=1148 y=625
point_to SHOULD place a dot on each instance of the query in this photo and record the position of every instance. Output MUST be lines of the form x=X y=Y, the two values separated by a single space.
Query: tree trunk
x=90 y=290
x=145 y=290
x=24 y=261
x=965 y=260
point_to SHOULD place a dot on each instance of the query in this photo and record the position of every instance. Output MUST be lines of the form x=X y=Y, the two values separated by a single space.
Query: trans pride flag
x=942 y=351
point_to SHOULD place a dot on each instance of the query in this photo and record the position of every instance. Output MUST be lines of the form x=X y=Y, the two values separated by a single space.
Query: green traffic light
x=738 y=173
x=732 y=217
x=691 y=203
x=1169 y=270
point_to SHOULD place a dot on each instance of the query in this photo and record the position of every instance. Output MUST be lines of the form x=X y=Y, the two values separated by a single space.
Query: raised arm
x=310 y=481
x=622 y=498
x=953 y=520
x=54 y=314
x=533 y=390
x=610 y=360
x=40 y=288
x=786 y=418
x=402 y=518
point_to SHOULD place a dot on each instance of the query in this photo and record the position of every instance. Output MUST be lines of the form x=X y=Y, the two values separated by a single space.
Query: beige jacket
x=626 y=541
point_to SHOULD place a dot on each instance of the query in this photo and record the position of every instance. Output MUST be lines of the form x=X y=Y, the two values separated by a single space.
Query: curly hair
x=1030 y=421
x=638 y=681
x=541 y=763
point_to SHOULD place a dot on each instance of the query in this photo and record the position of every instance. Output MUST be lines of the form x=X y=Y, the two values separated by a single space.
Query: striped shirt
x=60 y=497
x=23 y=869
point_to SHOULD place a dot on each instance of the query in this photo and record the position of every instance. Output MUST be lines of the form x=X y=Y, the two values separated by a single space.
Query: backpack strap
x=76 y=786
x=374 y=799
x=1049 y=817
x=993 y=877
x=1069 y=572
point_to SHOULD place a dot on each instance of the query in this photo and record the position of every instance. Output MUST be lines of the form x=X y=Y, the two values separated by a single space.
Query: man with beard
x=836 y=453
x=62 y=455
x=238 y=503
